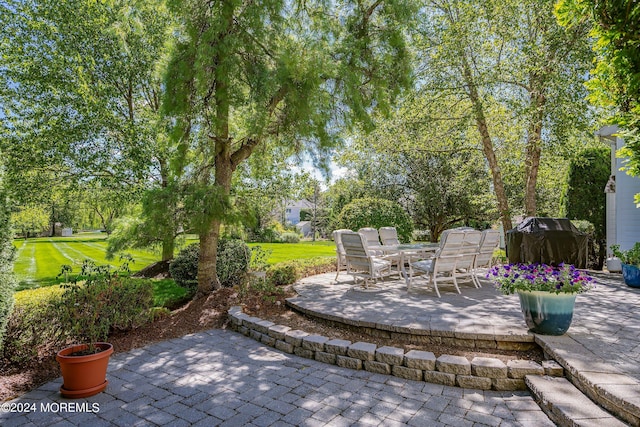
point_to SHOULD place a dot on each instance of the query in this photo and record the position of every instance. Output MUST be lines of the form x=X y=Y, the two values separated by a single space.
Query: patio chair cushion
x=379 y=263
x=425 y=265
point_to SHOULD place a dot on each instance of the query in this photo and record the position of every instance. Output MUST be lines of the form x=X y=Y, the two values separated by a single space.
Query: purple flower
x=550 y=278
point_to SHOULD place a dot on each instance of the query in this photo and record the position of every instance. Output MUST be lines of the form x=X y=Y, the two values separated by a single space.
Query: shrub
x=593 y=246
x=290 y=237
x=106 y=301
x=584 y=226
x=313 y=266
x=31 y=329
x=46 y=319
x=583 y=198
x=7 y=285
x=282 y=274
x=264 y=289
x=267 y=233
x=287 y=272
x=259 y=257
x=232 y=264
x=7 y=253
x=376 y=213
x=184 y=267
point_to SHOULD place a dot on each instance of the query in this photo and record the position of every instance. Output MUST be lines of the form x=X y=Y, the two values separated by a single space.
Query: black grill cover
x=547 y=240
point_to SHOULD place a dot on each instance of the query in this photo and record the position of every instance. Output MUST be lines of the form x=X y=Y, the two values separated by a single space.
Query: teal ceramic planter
x=631 y=275
x=546 y=313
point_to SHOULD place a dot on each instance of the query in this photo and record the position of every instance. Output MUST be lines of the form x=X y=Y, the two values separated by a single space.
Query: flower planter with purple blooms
x=547 y=293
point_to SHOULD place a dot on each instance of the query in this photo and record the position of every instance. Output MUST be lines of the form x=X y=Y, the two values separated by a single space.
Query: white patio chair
x=467 y=256
x=360 y=262
x=372 y=240
x=341 y=260
x=389 y=236
x=488 y=243
x=442 y=266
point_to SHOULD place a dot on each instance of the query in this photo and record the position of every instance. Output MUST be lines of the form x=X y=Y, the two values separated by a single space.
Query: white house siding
x=292 y=212
x=623 y=217
x=627 y=214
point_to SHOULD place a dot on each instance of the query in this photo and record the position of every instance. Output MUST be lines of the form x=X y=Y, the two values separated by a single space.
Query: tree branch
x=247 y=148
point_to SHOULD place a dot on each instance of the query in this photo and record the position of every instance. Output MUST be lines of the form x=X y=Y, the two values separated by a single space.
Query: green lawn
x=39 y=260
x=288 y=251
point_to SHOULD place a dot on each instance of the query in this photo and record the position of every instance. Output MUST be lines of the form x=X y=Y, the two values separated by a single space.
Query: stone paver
x=247 y=383
x=604 y=320
x=223 y=378
x=601 y=350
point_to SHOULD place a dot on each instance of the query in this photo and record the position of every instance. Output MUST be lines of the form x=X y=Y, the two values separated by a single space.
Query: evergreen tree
x=584 y=196
x=244 y=73
x=7 y=253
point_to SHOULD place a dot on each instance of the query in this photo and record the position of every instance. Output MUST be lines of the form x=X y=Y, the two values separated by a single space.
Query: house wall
x=292 y=214
x=623 y=217
x=627 y=214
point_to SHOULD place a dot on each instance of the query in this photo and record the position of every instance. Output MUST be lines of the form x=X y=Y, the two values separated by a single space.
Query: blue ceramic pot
x=546 y=313
x=631 y=275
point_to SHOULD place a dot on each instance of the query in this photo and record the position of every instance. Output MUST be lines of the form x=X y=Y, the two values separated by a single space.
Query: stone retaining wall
x=431 y=336
x=481 y=373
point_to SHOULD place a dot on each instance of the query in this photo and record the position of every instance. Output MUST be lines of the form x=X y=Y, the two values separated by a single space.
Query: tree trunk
x=434 y=233
x=167 y=247
x=533 y=153
x=531 y=170
x=53 y=221
x=487 y=147
x=207 y=271
x=169 y=241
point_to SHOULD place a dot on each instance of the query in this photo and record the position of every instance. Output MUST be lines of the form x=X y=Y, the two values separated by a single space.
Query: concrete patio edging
x=481 y=373
x=610 y=388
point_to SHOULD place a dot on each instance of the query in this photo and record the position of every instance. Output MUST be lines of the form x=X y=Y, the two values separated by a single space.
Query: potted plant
x=630 y=264
x=547 y=293
x=80 y=311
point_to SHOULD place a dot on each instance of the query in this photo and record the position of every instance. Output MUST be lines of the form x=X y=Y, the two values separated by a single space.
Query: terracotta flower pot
x=84 y=376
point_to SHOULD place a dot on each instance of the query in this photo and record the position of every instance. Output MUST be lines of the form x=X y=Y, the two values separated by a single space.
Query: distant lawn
x=288 y=251
x=39 y=260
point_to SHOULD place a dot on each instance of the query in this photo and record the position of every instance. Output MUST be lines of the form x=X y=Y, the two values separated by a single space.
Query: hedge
x=44 y=320
x=287 y=272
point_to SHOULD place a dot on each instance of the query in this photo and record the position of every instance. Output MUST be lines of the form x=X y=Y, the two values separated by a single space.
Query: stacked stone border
x=432 y=336
x=481 y=373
